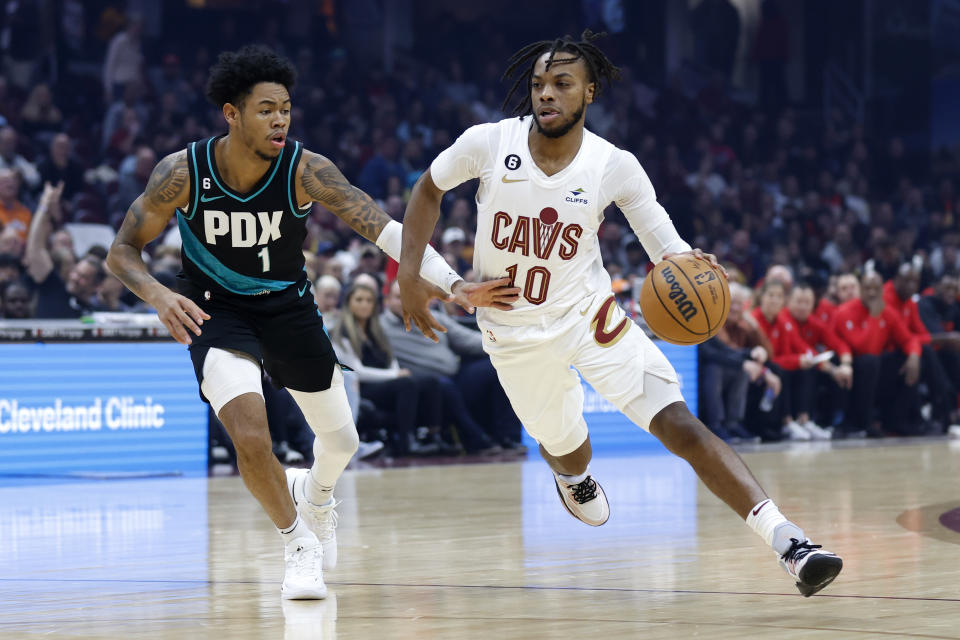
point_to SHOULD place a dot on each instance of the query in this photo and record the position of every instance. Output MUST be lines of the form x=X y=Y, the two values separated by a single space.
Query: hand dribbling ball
x=685 y=300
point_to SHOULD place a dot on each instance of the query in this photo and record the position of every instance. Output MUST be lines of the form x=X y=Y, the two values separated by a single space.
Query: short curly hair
x=234 y=75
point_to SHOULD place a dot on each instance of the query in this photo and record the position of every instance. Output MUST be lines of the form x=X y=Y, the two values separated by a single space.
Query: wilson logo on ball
x=684 y=306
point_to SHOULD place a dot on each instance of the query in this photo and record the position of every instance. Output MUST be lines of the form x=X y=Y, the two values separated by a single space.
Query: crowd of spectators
x=834 y=211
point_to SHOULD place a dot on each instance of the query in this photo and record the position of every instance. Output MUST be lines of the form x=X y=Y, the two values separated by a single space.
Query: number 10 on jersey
x=537 y=280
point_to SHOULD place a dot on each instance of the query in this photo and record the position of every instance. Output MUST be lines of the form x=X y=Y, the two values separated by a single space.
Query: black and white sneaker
x=810 y=565
x=585 y=500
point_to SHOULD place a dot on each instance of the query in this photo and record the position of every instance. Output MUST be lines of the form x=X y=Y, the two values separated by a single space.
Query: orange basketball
x=685 y=300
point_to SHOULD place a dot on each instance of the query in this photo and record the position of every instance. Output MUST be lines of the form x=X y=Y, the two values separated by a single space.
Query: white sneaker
x=322 y=520
x=367 y=449
x=954 y=431
x=811 y=566
x=585 y=500
x=793 y=431
x=303 y=570
x=816 y=431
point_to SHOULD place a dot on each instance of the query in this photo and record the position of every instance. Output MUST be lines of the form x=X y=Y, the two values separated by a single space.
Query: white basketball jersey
x=541 y=230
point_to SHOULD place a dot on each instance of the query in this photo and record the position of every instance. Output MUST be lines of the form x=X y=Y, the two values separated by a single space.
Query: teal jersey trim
x=196 y=180
x=213 y=174
x=290 y=190
x=222 y=275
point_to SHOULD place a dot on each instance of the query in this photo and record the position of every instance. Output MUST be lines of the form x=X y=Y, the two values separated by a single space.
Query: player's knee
x=252 y=442
x=678 y=429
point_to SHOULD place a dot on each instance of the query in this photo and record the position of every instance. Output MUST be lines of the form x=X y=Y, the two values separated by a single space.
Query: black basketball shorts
x=282 y=330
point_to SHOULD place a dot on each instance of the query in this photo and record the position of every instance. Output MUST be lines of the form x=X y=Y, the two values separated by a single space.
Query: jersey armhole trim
x=294 y=161
x=194 y=185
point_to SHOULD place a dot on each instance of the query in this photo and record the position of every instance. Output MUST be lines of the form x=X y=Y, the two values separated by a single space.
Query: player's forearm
x=419 y=221
x=125 y=261
x=433 y=267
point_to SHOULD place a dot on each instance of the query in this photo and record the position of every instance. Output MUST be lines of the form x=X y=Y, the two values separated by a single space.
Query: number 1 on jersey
x=264 y=256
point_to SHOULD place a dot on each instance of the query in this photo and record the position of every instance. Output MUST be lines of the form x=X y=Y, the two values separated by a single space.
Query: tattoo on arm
x=324 y=183
x=169 y=179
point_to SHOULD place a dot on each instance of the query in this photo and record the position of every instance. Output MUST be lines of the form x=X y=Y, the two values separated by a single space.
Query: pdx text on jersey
x=244 y=228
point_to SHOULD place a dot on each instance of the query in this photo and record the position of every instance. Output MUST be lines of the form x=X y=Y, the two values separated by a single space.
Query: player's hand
x=416 y=294
x=700 y=255
x=773 y=382
x=911 y=369
x=492 y=293
x=843 y=374
x=753 y=369
x=180 y=315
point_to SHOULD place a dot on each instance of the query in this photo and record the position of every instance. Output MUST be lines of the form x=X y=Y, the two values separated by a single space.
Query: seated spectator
x=57 y=298
x=107 y=297
x=729 y=363
x=10 y=269
x=326 y=293
x=884 y=392
x=10 y=159
x=13 y=213
x=794 y=358
x=362 y=345
x=39 y=114
x=61 y=166
x=900 y=294
x=940 y=312
x=11 y=245
x=848 y=288
x=459 y=380
x=834 y=377
x=16 y=302
x=827 y=303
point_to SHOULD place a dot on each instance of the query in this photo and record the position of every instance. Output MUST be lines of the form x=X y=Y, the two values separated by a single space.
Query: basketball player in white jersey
x=544 y=183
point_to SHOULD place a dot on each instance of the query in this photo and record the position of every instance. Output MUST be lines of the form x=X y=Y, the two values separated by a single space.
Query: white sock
x=575 y=479
x=768 y=523
x=296 y=530
x=317 y=493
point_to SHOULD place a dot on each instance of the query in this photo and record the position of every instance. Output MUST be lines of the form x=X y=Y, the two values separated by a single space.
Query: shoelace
x=325 y=519
x=584 y=491
x=306 y=562
x=799 y=550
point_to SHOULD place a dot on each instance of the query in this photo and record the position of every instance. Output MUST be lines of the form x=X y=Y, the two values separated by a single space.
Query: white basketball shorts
x=538 y=364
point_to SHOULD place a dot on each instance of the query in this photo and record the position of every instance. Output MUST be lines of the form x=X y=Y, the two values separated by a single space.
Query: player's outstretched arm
x=321 y=181
x=167 y=189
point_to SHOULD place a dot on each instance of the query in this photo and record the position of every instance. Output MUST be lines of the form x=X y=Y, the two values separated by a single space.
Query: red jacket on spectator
x=788 y=346
x=815 y=332
x=908 y=313
x=867 y=334
x=824 y=311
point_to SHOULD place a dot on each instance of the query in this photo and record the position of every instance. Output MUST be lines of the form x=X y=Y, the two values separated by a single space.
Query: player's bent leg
x=329 y=416
x=231 y=383
x=726 y=475
x=581 y=495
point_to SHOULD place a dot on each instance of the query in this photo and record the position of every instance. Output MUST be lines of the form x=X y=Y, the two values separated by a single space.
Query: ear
x=231 y=114
x=589 y=92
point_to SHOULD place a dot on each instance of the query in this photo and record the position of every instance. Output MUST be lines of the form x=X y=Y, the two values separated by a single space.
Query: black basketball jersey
x=250 y=243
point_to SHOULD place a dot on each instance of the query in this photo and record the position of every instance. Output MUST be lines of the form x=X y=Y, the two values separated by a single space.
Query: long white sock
x=768 y=523
x=296 y=530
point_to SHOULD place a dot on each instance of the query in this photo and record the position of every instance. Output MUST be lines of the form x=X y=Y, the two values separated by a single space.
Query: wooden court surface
x=487 y=551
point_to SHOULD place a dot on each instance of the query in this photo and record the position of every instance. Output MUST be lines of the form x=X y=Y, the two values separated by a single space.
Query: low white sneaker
x=303 y=570
x=793 y=431
x=367 y=449
x=322 y=520
x=816 y=431
x=585 y=500
x=810 y=565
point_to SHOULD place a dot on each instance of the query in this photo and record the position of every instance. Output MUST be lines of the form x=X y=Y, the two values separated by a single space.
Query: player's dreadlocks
x=598 y=65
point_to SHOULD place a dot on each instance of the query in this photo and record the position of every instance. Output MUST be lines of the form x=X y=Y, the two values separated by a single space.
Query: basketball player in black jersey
x=245 y=301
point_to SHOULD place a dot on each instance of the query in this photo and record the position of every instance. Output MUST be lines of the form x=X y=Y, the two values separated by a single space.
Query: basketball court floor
x=487 y=551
